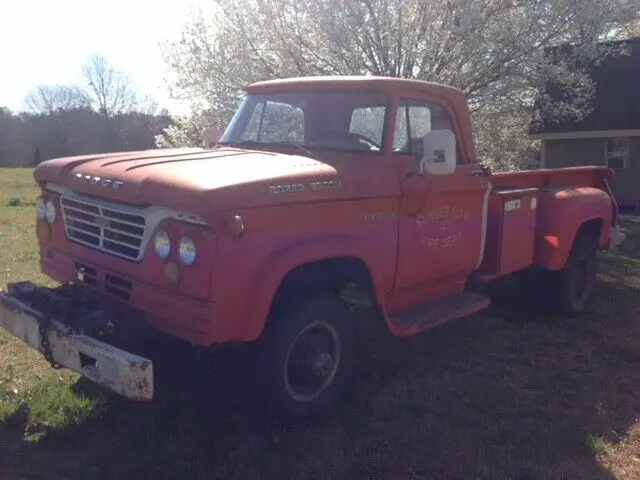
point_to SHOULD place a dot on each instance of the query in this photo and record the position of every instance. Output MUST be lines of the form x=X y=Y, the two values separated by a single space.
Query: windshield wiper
x=267 y=144
x=241 y=142
x=297 y=145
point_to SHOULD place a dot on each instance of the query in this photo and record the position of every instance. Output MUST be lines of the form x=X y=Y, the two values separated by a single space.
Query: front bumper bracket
x=120 y=371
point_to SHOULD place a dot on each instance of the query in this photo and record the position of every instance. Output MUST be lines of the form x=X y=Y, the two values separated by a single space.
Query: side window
x=275 y=122
x=368 y=122
x=414 y=120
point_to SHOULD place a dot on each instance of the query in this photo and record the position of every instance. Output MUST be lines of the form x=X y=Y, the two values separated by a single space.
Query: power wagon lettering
x=300 y=187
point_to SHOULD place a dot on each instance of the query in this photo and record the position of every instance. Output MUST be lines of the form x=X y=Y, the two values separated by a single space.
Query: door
x=442 y=218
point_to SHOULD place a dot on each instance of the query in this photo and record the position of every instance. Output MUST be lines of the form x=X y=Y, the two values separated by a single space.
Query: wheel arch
x=592 y=229
x=296 y=270
x=565 y=216
x=331 y=275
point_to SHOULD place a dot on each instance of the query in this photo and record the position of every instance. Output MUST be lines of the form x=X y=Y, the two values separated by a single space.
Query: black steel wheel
x=305 y=358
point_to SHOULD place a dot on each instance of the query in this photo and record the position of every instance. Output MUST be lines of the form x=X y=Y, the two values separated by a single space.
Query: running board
x=437 y=312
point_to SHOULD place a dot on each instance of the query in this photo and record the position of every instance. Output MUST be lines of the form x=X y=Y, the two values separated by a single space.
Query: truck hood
x=194 y=179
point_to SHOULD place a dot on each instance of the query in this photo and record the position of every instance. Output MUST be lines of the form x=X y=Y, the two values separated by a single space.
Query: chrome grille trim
x=122 y=219
x=115 y=229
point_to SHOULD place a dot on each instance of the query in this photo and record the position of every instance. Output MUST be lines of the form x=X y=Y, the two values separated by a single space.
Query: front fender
x=561 y=213
x=271 y=274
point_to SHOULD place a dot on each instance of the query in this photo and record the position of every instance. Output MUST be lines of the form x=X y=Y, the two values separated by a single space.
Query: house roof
x=616 y=105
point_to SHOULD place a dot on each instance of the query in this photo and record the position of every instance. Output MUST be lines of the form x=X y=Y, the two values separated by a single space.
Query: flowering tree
x=495 y=51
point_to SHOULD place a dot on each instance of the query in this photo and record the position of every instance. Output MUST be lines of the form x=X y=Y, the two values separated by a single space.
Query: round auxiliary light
x=50 y=212
x=40 y=208
x=187 y=251
x=162 y=244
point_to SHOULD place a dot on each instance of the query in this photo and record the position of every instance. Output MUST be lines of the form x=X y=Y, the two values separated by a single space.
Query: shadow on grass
x=478 y=398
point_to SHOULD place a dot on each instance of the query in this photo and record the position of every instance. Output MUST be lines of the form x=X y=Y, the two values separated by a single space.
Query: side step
x=437 y=312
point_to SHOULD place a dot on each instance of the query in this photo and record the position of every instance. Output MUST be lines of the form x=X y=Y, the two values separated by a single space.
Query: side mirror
x=439 y=150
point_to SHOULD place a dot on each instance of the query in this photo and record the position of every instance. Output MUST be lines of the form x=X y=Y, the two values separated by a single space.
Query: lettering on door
x=441 y=213
x=447 y=233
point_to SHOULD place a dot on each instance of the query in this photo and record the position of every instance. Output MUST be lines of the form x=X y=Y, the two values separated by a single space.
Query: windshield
x=351 y=120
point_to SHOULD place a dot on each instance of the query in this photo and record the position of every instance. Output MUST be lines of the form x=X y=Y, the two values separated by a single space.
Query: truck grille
x=109 y=229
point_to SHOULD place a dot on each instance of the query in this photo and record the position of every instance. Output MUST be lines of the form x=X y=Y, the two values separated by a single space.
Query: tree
x=493 y=50
x=55 y=102
x=47 y=99
x=185 y=131
x=112 y=91
x=112 y=95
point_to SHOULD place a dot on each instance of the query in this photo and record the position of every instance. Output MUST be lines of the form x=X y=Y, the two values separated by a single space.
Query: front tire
x=306 y=356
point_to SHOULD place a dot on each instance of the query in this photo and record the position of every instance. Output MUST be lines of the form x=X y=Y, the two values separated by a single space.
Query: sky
x=47 y=41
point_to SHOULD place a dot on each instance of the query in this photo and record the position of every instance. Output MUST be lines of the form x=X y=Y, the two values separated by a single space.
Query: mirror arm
x=423 y=162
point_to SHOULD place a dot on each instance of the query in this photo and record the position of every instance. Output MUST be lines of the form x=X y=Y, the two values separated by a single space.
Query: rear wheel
x=305 y=358
x=575 y=283
x=566 y=291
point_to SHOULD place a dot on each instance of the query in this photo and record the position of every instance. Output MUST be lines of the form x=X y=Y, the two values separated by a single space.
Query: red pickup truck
x=316 y=184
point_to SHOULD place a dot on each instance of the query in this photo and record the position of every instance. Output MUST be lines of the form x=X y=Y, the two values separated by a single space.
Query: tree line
x=106 y=115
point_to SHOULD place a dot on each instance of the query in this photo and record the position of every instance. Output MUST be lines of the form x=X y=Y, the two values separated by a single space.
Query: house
x=610 y=134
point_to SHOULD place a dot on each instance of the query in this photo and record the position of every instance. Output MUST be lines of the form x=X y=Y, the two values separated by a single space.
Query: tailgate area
x=33 y=314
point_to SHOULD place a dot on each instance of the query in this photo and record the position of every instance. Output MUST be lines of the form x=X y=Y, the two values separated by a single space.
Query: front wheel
x=306 y=356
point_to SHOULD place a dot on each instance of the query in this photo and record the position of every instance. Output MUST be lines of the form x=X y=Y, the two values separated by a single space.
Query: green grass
x=501 y=394
x=34 y=399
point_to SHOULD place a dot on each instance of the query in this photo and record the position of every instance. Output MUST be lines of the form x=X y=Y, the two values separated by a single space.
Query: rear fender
x=561 y=213
x=285 y=259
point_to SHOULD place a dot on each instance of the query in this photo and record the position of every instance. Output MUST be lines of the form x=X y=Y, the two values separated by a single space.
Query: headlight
x=162 y=244
x=50 y=212
x=40 y=208
x=187 y=251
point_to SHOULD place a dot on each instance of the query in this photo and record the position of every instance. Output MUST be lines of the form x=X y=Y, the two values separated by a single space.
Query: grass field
x=502 y=394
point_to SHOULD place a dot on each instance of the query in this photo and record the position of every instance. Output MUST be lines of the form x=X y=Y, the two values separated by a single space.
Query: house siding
x=579 y=152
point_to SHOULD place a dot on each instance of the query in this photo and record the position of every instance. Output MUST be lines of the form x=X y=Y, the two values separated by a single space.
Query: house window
x=617 y=153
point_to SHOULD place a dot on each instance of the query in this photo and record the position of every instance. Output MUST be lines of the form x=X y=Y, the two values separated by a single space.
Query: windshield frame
x=241 y=115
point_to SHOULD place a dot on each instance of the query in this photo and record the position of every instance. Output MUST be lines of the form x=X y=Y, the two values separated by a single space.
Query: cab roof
x=353 y=81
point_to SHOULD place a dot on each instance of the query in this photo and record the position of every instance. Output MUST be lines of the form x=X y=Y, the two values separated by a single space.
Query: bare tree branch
x=47 y=99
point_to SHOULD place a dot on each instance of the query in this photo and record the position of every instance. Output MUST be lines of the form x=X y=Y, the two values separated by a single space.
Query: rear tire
x=567 y=291
x=573 y=286
x=305 y=358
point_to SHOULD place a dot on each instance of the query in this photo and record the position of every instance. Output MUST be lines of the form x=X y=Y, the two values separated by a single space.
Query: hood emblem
x=102 y=222
x=95 y=180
